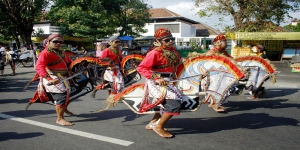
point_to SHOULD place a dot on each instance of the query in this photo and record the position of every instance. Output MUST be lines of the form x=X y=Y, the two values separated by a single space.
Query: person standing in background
x=11 y=58
x=125 y=49
x=2 y=59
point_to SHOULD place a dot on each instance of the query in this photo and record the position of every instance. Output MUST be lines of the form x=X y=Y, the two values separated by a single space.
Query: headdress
x=53 y=35
x=45 y=42
x=220 y=37
x=113 y=38
x=161 y=33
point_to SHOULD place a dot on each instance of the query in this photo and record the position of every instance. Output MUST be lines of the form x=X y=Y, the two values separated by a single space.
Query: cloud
x=185 y=9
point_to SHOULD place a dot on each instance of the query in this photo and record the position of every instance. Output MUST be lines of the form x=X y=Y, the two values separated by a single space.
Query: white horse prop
x=222 y=72
x=260 y=70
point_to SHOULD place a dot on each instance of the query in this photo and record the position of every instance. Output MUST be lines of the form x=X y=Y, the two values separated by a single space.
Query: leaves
x=250 y=15
x=99 y=18
x=20 y=16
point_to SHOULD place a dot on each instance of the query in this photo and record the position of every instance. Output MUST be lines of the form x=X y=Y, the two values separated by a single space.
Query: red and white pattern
x=58 y=88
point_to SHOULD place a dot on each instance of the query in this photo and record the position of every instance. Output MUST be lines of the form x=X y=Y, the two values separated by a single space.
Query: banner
x=267 y=36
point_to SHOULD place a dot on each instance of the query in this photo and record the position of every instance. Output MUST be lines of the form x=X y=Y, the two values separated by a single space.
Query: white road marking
x=70 y=131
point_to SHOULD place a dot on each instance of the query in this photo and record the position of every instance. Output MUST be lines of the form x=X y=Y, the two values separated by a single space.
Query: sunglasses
x=117 y=41
x=60 y=42
x=169 y=39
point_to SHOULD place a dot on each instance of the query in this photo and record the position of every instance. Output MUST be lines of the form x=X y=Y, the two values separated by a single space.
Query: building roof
x=163 y=13
x=201 y=28
x=205 y=30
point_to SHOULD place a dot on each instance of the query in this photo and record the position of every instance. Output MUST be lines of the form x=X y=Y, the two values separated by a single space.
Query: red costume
x=217 y=50
x=113 y=54
x=160 y=63
x=50 y=61
x=114 y=76
x=156 y=61
x=52 y=64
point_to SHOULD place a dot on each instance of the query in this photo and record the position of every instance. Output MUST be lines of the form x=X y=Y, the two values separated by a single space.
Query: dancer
x=158 y=67
x=51 y=66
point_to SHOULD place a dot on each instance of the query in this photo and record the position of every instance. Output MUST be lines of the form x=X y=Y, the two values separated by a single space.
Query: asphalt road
x=269 y=123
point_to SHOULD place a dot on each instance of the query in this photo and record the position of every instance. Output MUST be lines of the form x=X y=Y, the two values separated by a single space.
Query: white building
x=46 y=27
x=185 y=31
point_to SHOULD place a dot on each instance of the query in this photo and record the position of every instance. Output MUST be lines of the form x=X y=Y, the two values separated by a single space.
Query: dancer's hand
x=161 y=81
x=53 y=82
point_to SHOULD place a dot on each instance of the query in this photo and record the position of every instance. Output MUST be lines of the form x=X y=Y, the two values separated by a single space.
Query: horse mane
x=89 y=59
x=229 y=62
x=265 y=62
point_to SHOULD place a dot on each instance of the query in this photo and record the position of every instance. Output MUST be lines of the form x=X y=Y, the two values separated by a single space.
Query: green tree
x=292 y=28
x=250 y=15
x=87 y=18
x=22 y=14
x=98 y=18
x=132 y=18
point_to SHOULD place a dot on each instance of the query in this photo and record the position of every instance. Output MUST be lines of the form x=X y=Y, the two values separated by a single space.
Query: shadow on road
x=216 y=124
x=249 y=105
x=4 y=136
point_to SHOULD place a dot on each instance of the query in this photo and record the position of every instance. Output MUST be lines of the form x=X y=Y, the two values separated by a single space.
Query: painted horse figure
x=96 y=70
x=259 y=71
x=88 y=75
x=199 y=77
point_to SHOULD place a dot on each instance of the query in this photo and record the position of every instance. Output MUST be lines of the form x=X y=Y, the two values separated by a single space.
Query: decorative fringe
x=274 y=78
x=35 y=78
x=93 y=94
x=28 y=106
x=230 y=63
x=109 y=103
x=265 y=62
x=128 y=90
x=27 y=85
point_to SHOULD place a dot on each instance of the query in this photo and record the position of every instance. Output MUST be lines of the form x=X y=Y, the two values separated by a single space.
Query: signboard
x=267 y=35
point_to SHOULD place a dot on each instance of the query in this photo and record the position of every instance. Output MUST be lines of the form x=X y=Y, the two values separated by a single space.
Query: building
x=46 y=27
x=187 y=32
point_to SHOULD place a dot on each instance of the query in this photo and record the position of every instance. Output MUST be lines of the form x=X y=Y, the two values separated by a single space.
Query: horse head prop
x=221 y=73
x=259 y=70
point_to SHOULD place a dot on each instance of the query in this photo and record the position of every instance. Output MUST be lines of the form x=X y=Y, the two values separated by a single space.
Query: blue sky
x=187 y=9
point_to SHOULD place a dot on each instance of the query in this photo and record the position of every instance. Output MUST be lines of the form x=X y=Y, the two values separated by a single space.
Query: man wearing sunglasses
x=52 y=65
x=158 y=67
x=220 y=45
x=113 y=74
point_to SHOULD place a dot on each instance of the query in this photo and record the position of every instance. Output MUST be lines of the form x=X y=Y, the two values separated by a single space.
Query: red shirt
x=108 y=53
x=153 y=59
x=46 y=58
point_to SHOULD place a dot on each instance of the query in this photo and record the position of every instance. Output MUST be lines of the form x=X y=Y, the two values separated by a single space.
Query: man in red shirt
x=113 y=74
x=158 y=67
x=52 y=65
x=220 y=45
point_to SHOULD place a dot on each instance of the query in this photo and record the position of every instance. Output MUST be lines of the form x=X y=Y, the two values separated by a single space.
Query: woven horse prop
x=260 y=70
x=90 y=72
x=221 y=73
x=96 y=70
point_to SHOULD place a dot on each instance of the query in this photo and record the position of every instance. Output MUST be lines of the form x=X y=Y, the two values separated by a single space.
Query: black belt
x=164 y=74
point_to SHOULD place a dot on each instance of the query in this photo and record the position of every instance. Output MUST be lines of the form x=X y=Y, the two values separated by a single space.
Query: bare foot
x=64 y=122
x=161 y=132
x=68 y=112
x=151 y=125
x=219 y=108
